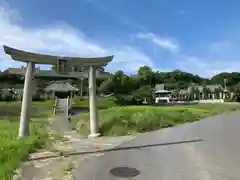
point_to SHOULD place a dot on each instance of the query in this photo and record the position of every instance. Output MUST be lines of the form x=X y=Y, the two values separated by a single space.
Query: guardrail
x=67 y=106
x=54 y=106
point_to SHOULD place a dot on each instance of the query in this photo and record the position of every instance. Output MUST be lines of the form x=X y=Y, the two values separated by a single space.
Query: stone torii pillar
x=26 y=100
x=81 y=88
x=92 y=103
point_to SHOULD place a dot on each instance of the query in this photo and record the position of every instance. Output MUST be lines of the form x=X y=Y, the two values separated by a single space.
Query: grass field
x=136 y=119
x=101 y=103
x=12 y=151
x=47 y=103
x=9 y=103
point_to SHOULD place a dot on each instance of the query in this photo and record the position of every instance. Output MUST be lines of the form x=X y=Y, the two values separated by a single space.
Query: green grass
x=47 y=103
x=13 y=110
x=101 y=103
x=13 y=151
x=9 y=103
x=137 y=119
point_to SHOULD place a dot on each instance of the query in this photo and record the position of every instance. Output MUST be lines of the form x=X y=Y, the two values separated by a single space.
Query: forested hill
x=146 y=76
x=173 y=80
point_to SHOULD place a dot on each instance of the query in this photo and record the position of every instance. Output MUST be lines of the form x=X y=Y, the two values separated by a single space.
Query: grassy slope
x=133 y=119
x=12 y=151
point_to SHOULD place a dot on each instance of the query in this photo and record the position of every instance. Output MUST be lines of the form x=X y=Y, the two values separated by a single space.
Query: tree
x=217 y=92
x=205 y=92
x=119 y=83
x=232 y=78
x=197 y=91
x=192 y=94
x=236 y=87
x=107 y=86
x=146 y=75
x=143 y=93
x=54 y=68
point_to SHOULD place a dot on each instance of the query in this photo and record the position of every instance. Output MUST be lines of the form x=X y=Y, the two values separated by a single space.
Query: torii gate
x=63 y=64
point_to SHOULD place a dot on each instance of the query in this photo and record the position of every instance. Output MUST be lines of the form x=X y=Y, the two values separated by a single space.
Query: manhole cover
x=124 y=172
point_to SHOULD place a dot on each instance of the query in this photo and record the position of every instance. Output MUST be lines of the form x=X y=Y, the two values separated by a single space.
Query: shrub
x=143 y=93
x=102 y=103
x=8 y=97
x=137 y=119
x=12 y=151
x=37 y=97
x=125 y=100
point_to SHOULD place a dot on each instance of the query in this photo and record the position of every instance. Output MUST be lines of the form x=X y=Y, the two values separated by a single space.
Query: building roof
x=159 y=87
x=19 y=91
x=51 y=73
x=183 y=91
x=60 y=86
x=162 y=91
x=210 y=87
x=25 y=56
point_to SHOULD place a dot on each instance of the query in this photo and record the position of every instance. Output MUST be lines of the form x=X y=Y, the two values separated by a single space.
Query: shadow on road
x=118 y=148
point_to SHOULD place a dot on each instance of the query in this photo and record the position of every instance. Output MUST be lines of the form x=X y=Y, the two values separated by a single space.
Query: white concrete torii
x=33 y=58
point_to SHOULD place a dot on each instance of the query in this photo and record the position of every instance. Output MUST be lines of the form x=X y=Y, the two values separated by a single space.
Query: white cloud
x=130 y=58
x=217 y=60
x=206 y=67
x=179 y=12
x=62 y=39
x=219 y=46
x=164 y=43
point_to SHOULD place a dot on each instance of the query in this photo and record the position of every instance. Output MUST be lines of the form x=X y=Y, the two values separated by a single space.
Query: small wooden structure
x=161 y=94
x=60 y=89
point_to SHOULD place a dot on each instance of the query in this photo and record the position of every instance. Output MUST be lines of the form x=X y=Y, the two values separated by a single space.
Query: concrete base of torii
x=94 y=135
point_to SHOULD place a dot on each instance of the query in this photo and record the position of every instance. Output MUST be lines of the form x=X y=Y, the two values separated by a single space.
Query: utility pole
x=225 y=88
x=81 y=88
x=225 y=84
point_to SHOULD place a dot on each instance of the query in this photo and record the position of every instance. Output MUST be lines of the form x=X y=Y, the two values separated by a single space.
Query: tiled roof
x=210 y=87
x=162 y=91
x=20 y=55
x=183 y=91
x=159 y=87
x=60 y=86
x=51 y=73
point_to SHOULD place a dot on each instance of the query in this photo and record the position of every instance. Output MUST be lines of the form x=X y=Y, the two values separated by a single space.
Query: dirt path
x=68 y=151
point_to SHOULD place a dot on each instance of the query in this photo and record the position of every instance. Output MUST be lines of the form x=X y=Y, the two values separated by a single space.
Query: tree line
x=141 y=83
x=119 y=82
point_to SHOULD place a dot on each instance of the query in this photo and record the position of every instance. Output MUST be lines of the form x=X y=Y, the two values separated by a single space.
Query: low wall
x=211 y=101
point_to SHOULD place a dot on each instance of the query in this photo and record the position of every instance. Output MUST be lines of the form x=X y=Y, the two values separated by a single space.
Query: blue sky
x=201 y=37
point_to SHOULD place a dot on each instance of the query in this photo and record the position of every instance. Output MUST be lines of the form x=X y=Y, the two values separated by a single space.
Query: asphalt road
x=205 y=150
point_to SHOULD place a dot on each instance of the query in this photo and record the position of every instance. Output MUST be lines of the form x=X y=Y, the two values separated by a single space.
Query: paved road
x=204 y=150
